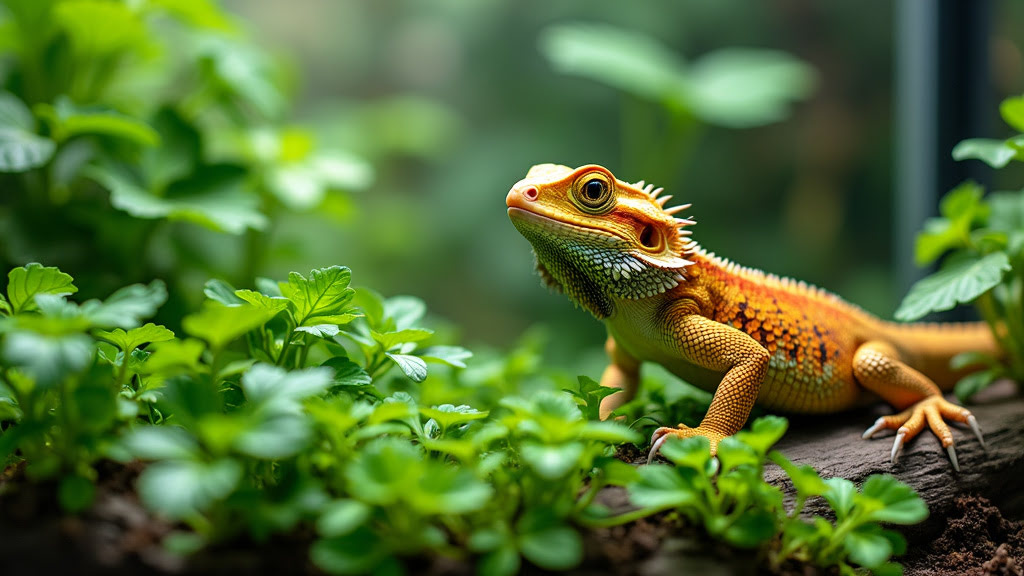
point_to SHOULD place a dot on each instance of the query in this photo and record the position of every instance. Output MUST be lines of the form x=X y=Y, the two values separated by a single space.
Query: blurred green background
x=434 y=109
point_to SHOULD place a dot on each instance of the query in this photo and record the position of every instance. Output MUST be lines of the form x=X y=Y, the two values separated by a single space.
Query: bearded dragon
x=749 y=337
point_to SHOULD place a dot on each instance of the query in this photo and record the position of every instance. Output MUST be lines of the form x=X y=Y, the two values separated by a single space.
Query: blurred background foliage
x=383 y=135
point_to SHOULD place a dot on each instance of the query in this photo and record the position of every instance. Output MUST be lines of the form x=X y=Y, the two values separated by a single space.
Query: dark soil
x=977 y=540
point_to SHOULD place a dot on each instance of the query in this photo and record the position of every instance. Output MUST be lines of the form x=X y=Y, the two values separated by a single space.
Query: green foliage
x=728 y=497
x=152 y=119
x=257 y=425
x=980 y=240
x=732 y=87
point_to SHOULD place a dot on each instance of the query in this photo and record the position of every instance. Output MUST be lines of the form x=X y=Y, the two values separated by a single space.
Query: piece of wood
x=833 y=445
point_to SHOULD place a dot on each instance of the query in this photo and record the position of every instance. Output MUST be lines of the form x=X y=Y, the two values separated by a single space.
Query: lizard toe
x=933 y=411
x=664 y=433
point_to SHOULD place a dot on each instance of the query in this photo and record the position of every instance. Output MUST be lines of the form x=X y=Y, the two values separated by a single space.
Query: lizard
x=616 y=250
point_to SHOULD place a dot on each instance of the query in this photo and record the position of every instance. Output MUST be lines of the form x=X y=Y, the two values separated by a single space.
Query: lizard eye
x=593 y=193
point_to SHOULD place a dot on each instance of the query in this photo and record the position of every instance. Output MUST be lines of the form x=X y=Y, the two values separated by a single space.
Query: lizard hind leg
x=623 y=373
x=877 y=366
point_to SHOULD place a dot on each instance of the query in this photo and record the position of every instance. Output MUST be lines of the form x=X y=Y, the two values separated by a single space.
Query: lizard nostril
x=531 y=193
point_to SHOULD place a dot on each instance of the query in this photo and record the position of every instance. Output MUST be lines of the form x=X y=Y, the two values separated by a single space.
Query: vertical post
x=943 y=95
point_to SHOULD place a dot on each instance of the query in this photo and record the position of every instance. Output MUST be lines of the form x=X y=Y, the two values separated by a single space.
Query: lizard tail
x=928 y=347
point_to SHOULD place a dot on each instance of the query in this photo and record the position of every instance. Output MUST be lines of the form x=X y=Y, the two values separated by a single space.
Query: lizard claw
x=897 y=446
x=656 y=442
x=664 y=433
x=951 y=450
x=973 y=423
x=878 y=425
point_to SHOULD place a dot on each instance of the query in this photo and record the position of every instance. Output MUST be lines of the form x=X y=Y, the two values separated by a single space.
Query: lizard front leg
x=623 y=373
x=722 y=348
x=877 y=366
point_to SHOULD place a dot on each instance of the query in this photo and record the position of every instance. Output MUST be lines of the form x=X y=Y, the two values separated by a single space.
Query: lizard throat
x=593 y=268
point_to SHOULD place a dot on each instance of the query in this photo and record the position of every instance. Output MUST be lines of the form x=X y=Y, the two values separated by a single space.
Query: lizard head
x=598 y=239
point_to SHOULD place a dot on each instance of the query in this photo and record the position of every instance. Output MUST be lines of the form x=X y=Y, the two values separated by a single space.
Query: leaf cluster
x=729 y=498
x=979 y=239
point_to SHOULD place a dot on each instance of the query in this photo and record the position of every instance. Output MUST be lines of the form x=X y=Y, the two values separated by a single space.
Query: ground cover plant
x=288 y=405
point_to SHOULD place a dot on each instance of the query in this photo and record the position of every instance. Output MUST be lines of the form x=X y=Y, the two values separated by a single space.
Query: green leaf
x=975 y=382
x=448 y=415
x=763 y=433
x=347 y=372
x=178 y=154
x=743 y=88
x=454 y=356
x=161 y=443
x=275 y=437
x=325 y=331
x=34 y=278
x=324 y=298
x=960 y=207
x=342 y=517
x=97 y=29
x=552 y=462
x=404 y=311
x=1012 y=111
x=48 y=359
x=805 y=478
x=591 y=394
x=68 y=120
x=132 y=339
x=629 y=61
x=126 y=307
x=444 y=489
x=276 y=390
x=840 y=496
x=220 y=325
x=901 y=504
x=733 y=453
x=242 y=72
x=502 y=561
x=214 y=197
x=76 y=493
x=173 y=355
x=5 y=306
x=960 y=281
x=413 y=367
x=752 y=528
x=21 y=149
x=359 y=552
x=380 y=473
x=273 y=304
x=1007 y=211
x=389 y=340
x=867 y=547
x=180 y=488
x=609 y=432
x=220 y=291
x=556 y=547
x=662 y=487
x=995 y=153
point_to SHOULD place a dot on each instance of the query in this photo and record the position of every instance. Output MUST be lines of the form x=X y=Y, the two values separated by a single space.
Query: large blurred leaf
x=132 y=339
x=214 y=197
x=625 y=60
x=741 y=88
x=995 y=153
x=67 y=120
x=219 y=324
x=242 y=73
x=21 y=148
x=99 y=28
x=959 y=282
x=180 y=488
x=127 y=307
x=48 y=359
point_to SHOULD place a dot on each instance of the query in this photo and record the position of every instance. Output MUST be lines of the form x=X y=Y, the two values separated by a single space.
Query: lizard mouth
x=521 y=214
